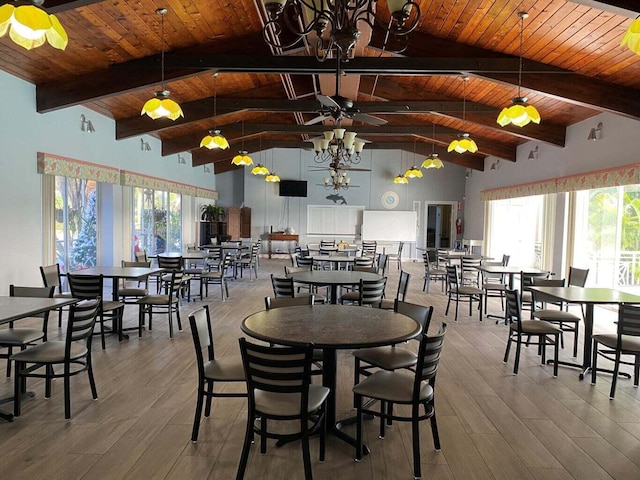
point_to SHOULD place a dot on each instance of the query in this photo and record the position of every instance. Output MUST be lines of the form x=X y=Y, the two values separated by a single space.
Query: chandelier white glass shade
x=338 y=146
x=214 y=140
x=161 y=106
x=432 y=161
x=464 y=143
x=336 y=23
x=631 y=37
x=337 y=180
x=29 y=25
x=519 y=113
x=242 y=159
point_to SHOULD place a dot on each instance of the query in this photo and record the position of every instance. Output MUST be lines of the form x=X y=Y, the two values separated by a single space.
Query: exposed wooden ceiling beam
x=234 y=136
x=57 y=6
x=203 y=156
x=627 y=8
x=567 y=86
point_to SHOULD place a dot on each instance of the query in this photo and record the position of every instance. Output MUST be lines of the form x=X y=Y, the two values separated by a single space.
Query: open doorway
x=439 y=224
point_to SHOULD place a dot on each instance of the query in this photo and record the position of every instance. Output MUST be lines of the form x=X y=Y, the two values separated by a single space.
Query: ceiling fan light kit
x=29 y=25
x=631 y=38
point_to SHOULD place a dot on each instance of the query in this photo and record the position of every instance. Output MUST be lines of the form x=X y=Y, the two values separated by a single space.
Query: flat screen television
x=293 y=188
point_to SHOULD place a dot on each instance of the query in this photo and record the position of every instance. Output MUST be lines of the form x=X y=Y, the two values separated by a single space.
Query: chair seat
x=62 y=295
x=133 y=292
x=49 y=352
x=157 y=300
x=109 y=305
x=467 y=290
x=387 y=358
x=212 y=275
x=225 y=369
x=19 y=336
x=352 y=296
x=288 y=404
x=193 y=271
x=552 y=315
x=629 y=344
x=392 y=386
x=536 y=327
x=494 y=287
x=387 y=304
x=437 y=271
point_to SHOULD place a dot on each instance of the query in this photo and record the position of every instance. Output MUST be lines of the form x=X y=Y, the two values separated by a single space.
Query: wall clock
x=390 y=200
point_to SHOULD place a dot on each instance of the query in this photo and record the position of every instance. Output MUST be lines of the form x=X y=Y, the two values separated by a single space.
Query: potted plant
x=212 y=213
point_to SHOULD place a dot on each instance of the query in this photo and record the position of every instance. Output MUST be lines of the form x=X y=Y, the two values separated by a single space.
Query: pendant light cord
x=162 y=12
x=215 y=101
x=520 y=63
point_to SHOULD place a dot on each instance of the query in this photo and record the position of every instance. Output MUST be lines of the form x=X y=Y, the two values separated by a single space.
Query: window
x=516 y=227
x=76 y=223
x=607 y=235
x=157 y=221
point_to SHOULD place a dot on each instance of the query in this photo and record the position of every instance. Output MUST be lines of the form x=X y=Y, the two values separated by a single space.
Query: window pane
x=157 y=220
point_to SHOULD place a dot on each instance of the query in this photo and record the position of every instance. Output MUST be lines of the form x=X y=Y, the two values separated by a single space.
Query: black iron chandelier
x=336 y=23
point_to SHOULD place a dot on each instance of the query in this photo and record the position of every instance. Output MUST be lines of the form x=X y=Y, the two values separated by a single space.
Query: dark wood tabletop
x=14 y=308
x=331 y=326
x=118 y=272
x=332 y=258
x=588 y=295
x=333 y=277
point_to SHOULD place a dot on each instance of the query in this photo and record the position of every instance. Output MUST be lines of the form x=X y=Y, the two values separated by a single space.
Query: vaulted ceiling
x=573 y=68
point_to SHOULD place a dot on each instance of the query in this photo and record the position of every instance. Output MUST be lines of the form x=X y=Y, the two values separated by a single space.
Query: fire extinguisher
x=459 y=226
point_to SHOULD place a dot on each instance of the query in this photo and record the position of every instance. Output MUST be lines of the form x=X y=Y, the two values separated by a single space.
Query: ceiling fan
x=339 y=107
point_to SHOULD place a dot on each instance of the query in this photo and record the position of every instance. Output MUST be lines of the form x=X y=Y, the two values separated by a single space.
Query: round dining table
x=333 y=279
x=331 y=328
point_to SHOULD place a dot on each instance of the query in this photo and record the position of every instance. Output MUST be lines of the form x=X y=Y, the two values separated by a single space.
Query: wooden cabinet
x=239 y=222
x=209 y=230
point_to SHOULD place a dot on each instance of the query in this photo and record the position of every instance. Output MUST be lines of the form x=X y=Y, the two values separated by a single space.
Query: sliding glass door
x=607 y=235
x=157 y=221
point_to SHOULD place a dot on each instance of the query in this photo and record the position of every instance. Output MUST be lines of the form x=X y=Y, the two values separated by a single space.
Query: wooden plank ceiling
x=573 y=68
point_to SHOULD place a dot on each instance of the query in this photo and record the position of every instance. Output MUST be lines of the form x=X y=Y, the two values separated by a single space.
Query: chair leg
x=196 y=420
x=178 y=318
x=263 y=436
x=434 y=427
x=17 y=390
x=575 y=339
x=306 y=456
x=92 y=381
x=323 y=435
x=356 y=377
x=102 y=331
x=67 y=392
x=9 y=353
x=207 y=408
x=244 y=456
x=614 y=380
x=415 y=429
x=556 y=351
x=358 y=402
x=506 y=352
x=518 y=348
x=594 y=362
x=47 y=381
x=170 y=315
x=383 y=411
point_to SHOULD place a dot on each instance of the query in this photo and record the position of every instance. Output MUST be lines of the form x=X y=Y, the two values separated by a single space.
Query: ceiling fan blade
x=318 y=119
x=328 y=102
x=366 y=118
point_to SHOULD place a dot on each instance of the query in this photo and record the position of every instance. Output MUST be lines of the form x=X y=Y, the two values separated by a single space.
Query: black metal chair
x=519 y=328
x=211 y=370
x=401 y=293
x=23 y=337
x=129 y=292
x=626 y=341
x=416 y=390
x=168 y=302
x=74 y=352
x=397 y=256
x=89 y=287
x=462 y=293
x=493 y=285
x=219 y=277
x=369 y=293
x=432 y=273
x=279 y=388
x=51 y=278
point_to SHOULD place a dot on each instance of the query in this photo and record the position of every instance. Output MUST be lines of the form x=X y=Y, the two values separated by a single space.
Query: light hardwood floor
x=493 y=425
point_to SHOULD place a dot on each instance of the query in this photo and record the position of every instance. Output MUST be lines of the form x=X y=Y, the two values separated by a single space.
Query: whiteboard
x=332 y=220
x=389 y=225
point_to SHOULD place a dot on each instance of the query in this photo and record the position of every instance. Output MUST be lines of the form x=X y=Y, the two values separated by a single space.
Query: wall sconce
x=595 y=133
x=86 y=125
x=181 y=160
x=495 y=165
x=144 y=146
x=207 y=169
x=533 y=154
x=468 y=173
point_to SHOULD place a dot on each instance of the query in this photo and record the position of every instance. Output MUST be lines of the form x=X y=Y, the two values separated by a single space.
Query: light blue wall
x=23 y=134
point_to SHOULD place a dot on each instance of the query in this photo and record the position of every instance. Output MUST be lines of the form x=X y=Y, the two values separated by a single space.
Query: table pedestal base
x=585 y=371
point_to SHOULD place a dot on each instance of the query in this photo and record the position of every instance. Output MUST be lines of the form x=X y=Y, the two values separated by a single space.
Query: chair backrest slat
x=282 y=287
x=403 y=286
x=85 y=286
x=372 y=291
x=428 y=359
x=40 y=292
x=82 y=319
x=51 y=276
x=280 y=302
x=577 y=277
x=629 y=320
x=170 y=263
x=419 y=313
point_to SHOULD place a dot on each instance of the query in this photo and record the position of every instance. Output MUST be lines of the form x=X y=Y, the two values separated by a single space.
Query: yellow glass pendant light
x=401 y=179
x=413 y=172
x=432 y=161
x=242 y=159
x=519 y=113
x=463 y=143
x=29 y=25
x=260 y=170
x=214 y=139
x=631 y=37
x=161 y=106
x=272 y=178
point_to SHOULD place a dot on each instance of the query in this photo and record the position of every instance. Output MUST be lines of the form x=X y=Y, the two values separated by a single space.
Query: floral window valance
x=66 y=167
x=611 y=177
